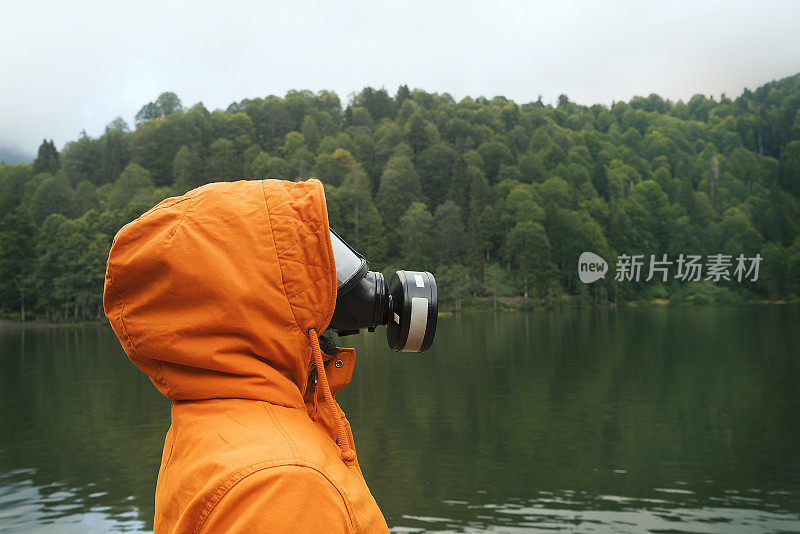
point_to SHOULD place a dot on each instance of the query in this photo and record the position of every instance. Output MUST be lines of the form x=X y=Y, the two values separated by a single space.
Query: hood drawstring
x=314 y=392
x=348 y=454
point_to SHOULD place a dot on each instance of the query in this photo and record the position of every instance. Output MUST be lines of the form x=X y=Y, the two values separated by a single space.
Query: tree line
x=496 y=198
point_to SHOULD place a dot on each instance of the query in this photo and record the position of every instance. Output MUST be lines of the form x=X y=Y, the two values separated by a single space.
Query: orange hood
x=213 y=294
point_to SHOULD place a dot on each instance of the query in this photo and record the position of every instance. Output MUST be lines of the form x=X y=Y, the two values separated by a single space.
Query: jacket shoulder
x=271 y=498
x=249 y=462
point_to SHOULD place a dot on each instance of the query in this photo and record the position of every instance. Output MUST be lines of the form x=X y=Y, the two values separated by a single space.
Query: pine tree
x=47 y=159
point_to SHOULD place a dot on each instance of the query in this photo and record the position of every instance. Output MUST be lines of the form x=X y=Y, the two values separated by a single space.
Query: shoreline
x=520 y=304
x=35 y=324
x=41 y=324
x=481 y=304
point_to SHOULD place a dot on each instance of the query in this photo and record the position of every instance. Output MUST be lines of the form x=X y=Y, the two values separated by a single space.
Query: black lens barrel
x=415 y=309
x=408 y=307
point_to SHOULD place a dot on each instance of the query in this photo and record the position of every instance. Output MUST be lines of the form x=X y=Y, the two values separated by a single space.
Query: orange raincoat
x=219 y=296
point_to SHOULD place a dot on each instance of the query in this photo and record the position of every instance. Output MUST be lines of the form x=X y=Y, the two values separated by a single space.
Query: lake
x=633 y=420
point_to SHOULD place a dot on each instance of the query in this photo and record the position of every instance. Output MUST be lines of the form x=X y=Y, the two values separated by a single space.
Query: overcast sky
x=69 y=66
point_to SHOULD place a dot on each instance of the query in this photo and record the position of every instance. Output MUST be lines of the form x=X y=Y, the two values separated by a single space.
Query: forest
x=497 y=199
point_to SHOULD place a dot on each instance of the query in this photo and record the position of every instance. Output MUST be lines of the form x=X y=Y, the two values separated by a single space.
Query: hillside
x=495 y=197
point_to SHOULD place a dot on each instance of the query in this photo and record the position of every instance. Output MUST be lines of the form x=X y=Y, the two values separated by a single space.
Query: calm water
x=638 y=420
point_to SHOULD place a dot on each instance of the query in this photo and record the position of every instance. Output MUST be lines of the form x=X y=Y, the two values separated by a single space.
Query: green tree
x=416 y=132
x=453 y=284
x=311 y=132
x=400 y=187
x=17 y=256
x=416 y=236
x=479 y=236
x=332 y=168
x=134 y=185
x=187 y=169
x=53 y=195
x=378 y=102
x=82 y=160
x=13 y=179
x=494 y=154
x=167 y=104
x=114 y=152
x=449 y=235
x=261 y=165
x=521 y=205
x=295 y=141
x=146 y=112
x=435 y=165
x=86 y=198
x=47 y=158
x=359 y=219
x=224 y=164
x=790 y=167
x=531 y=168
x=529 y=252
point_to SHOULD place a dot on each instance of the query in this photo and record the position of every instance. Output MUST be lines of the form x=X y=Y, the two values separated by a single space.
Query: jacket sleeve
x=281 y=499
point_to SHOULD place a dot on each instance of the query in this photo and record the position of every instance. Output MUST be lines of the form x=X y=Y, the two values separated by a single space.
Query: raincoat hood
x=220 y=293
x=219 y=296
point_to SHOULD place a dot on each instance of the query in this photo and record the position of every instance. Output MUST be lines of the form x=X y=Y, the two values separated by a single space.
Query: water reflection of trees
x=603 y=402
x=85 y=422
x=585 y=404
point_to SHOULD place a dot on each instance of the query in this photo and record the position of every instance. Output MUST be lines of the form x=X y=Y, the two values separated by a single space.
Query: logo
x=591 y=267
x=687 y=268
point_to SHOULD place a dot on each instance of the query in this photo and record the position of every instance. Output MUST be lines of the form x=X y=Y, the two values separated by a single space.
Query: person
x=220 y=296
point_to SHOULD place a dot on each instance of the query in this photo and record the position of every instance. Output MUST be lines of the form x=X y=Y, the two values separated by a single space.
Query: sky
x=72 y=66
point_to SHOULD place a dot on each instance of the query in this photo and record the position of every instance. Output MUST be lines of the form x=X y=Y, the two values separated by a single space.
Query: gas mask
x=408 y=307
